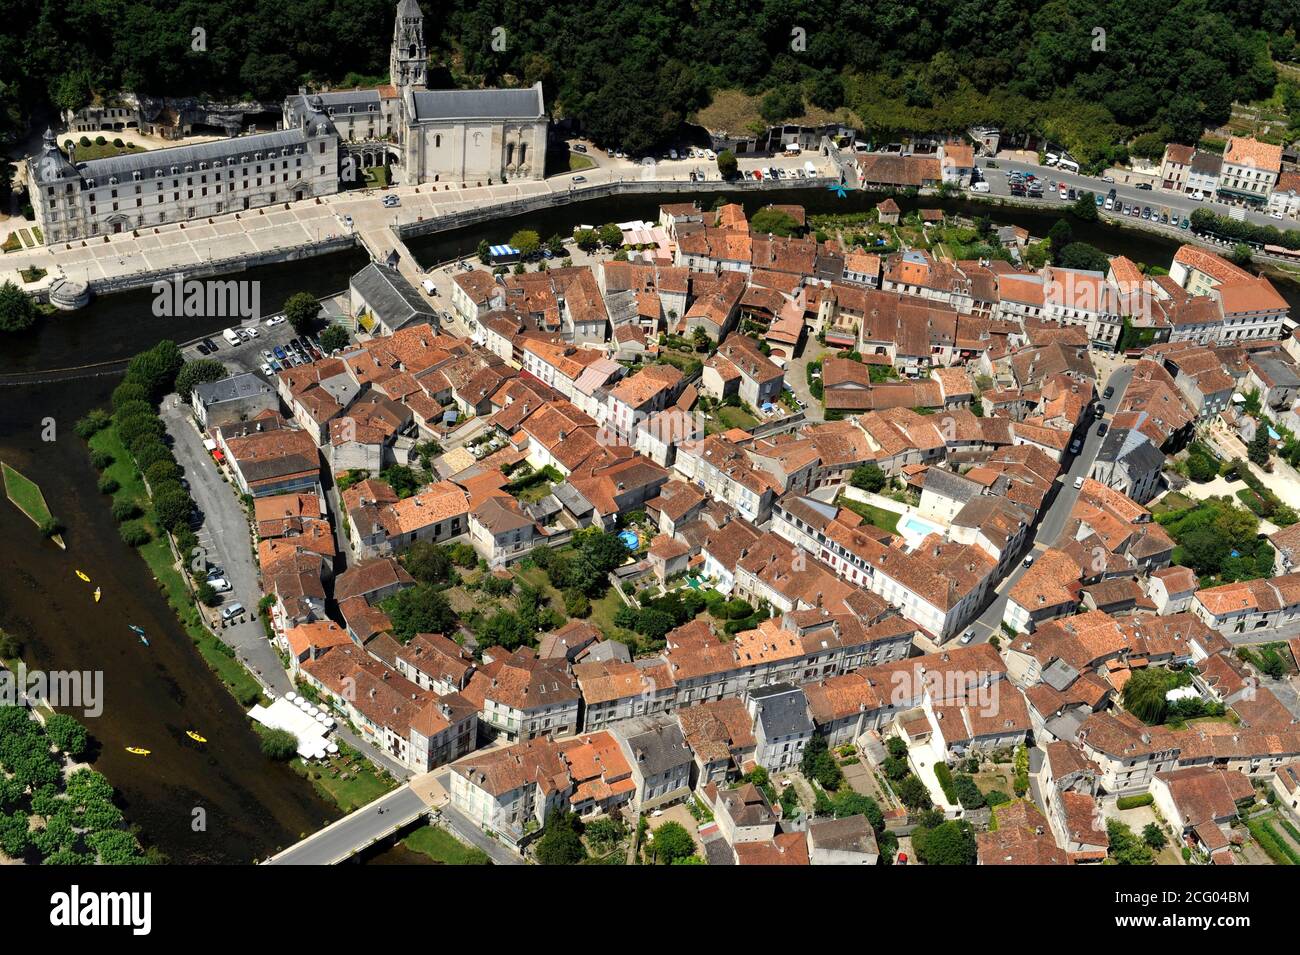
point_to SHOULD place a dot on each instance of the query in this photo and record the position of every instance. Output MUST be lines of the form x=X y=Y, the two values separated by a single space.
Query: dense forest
x=1090 y=73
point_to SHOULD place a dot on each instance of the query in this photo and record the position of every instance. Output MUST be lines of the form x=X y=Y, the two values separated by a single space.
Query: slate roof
x=391 y=297
x=479 y=104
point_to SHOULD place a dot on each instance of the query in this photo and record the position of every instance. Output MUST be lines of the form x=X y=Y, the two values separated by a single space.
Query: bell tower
x=409 y=58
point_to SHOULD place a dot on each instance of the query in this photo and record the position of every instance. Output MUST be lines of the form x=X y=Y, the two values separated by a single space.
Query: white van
x=793 y=149
x=980 y=186
x=1051 y=159
x=428 y=287
x=810 y=169
x=1069 y=165
x=232 y=336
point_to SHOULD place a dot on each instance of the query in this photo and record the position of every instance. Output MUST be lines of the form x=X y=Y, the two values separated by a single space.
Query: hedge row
x=1133 y=802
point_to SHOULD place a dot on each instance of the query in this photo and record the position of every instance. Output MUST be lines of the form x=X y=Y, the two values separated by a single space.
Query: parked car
x=280 y=353
x=391 y=201
x=234 y=610
x=1108 y=179
x=277 y=320
x=1078 y=482
x=1108 y=393
x=219 y=584
x=1186 y=223
x=579 y=148
x=428 y=286
x=579 y=178
x=212 y=346
x=1146 y=186
x=979 y=187
x=1075 y=446
x=1029 y=560
x=266 y=369
x=967 y=637
x=202 y=349
x=1102 y=428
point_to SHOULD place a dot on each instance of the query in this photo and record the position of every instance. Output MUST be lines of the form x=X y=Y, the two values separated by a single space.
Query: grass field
x=578 y=162
x=363 y=785
x=441 y=846
x=885 y=520
x=25 y=495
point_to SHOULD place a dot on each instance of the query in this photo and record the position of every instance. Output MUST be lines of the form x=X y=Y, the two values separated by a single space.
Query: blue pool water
x=629 y=539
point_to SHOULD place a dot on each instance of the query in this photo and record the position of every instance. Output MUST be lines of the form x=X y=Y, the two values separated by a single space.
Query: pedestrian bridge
x=360 y=829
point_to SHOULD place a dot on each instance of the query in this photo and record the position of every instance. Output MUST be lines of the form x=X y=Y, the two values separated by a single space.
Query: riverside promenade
x=289 y=231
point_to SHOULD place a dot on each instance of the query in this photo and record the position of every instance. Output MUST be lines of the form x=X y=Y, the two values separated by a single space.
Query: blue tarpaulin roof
x=498 y=251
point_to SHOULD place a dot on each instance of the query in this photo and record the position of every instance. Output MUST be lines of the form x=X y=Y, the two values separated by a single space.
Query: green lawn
x=364 y=783
x=885 y=520
x=577 y=162
x=441 y=846
x=25 y=495
x=95 y=151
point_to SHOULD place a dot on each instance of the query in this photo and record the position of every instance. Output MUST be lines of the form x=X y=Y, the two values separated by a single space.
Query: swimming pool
x=629 y=539
x=915 y=528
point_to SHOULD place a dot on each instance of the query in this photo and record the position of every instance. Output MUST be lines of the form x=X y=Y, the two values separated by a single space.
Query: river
x=250 y=806
x=153 y=695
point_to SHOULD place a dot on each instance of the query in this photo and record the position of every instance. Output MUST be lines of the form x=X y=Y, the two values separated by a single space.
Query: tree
x=302 y=309
x=428 y=562
x=868 y=477
x=1144 y=695
x=587 y=239
x=528 y=242
x=950 y=843
x=576 y=603
x=1058 y=237
x=67 y=734
x=561 y=841
x=1081 y=255
x=671 y=843
x=1154 y=836
x=773 y=221
x=279 y=745
x=172 y=506
x=818 y=764
x=155 y=370
x=1085 y=208
x=913 y=793
x=1201 y=468
x=1125 y=848
x=402 y=479
x=611 y=236
x=1258 y=450
x=334 y=337
x=198 y=372
x=727 y=164
x=17 y=309
x=418 y=609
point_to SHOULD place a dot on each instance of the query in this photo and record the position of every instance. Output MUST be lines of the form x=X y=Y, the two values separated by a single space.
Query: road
x=227 y=538
x=341 y=840
x=1058 y=512
x=1157 y=198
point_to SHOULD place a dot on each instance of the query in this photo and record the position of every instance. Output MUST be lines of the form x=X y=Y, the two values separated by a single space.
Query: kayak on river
x=196 y=737
x=137 y=751
x=97 y=595
x=83 y=576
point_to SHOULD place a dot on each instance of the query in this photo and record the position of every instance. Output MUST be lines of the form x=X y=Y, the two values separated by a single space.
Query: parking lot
x=251 y=353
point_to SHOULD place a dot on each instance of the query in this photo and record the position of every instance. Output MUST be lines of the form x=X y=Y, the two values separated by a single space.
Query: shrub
x=944 y=775
x=95 y=421
x=280 y=745
x=51 y=527
x=576 y=603
x=100 y=460
x=135 y=534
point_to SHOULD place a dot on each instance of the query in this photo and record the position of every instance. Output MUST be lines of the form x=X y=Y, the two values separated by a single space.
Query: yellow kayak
x=83 y=576
x=97 y=595
x=137 y=751
x=196 y=737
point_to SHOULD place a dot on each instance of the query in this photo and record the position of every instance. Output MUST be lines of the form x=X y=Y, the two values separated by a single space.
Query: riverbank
x=163 y=564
